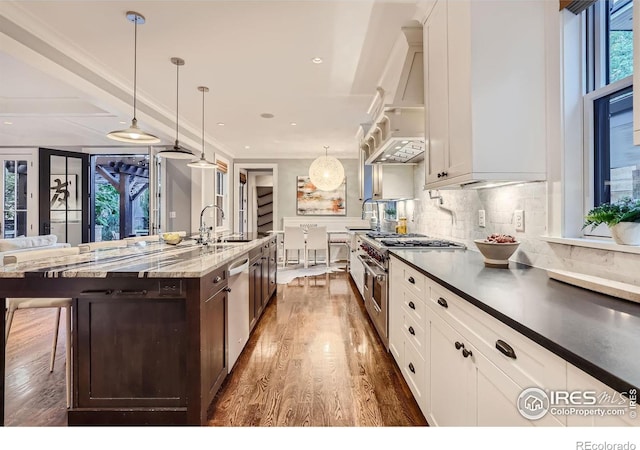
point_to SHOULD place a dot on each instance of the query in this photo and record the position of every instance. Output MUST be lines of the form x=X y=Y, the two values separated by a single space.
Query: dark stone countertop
x=595 y=332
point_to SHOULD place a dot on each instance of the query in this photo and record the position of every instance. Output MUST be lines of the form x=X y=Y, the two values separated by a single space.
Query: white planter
x=626 y=233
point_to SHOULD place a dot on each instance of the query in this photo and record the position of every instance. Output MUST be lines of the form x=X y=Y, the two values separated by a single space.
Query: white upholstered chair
x=13 y=304
x=91 y=246
x=293 y=240
x=317 y=239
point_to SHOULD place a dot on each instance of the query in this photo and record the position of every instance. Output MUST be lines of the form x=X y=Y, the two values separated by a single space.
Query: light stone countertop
x=153 y=260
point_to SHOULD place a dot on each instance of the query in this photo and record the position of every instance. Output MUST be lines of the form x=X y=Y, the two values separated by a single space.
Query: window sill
x=602 y=244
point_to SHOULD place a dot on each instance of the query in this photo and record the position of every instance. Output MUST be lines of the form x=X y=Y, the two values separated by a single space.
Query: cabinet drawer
x=413 y=281
x=414 y=307
x=415 y=334
x=529 y=364
x=214 y=281
x=413 y=369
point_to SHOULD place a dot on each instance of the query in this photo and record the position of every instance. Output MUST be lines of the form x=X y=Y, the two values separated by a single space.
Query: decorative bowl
x=172 y=238
x=495 y=254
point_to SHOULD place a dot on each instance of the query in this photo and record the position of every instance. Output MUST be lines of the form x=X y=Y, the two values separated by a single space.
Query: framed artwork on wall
x=310 y=201
x=63 y=192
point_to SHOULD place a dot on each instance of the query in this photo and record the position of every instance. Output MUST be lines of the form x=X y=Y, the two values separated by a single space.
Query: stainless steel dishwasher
x=238 y=326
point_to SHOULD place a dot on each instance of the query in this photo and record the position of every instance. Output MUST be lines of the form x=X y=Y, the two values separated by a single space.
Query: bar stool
x=13 y=304
x=293 y=240
x=317 y=239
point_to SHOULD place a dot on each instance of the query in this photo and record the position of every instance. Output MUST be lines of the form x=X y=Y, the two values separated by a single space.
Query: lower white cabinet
x=466 y=368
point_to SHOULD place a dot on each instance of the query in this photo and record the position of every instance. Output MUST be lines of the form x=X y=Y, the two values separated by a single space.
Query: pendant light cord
x=177 y=97
x=202 y=124
x=135 y=64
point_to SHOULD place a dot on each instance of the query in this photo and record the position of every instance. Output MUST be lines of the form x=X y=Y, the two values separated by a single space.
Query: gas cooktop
x=389 y=235
x=413 y=243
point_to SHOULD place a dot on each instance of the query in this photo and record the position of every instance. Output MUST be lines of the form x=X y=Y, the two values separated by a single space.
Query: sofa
x=26 y=243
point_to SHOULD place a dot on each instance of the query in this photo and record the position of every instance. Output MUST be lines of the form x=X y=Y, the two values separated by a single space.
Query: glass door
x=16 y=184
x=64 y=195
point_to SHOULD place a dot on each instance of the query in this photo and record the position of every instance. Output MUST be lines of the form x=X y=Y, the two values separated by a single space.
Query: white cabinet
x=485 y=87
x=356 y=269
x=614 y=402
x=392 y=181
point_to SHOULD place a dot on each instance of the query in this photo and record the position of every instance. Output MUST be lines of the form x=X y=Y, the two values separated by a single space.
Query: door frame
x=44 y=160
x=31 y=156
x=237 y=167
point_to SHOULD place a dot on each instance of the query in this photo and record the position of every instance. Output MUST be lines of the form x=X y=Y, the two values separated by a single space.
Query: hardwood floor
x=313 y=360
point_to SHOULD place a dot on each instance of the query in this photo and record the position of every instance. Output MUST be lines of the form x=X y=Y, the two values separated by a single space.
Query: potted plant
x=622 y=218
x=391 y=213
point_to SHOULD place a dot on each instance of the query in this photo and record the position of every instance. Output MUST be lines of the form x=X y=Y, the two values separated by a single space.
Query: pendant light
x=202 y=163
x=326 y=172
x=133 y=134
x=176 y=152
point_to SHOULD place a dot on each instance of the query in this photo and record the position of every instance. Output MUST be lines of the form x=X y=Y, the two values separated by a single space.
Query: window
x=613 y=161
x=222 y=186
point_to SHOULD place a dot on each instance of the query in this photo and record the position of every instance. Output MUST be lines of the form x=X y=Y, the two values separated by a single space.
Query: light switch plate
x=481 y=218
x=518 y=219
x=172 y=214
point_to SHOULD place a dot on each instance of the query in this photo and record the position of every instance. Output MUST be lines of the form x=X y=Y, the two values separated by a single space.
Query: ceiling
x=67 y=75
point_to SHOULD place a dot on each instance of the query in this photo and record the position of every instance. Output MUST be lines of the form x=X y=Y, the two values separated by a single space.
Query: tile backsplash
x=455 y=216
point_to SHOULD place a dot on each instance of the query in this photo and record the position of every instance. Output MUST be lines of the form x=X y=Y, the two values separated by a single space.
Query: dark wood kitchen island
x=149 y=340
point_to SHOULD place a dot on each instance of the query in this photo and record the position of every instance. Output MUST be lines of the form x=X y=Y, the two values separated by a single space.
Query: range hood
x=396 y=135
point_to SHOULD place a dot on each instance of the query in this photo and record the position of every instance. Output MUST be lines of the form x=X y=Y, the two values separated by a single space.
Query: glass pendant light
x=326 y=172
x=133 y=134
x=202 y=163
x=176 y=152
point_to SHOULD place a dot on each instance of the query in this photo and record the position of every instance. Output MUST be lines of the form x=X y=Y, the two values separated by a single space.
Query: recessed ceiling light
x=6 y=122
x=220 y=124
x=316 y=60
x=293 y=124
x=122 y=122
x=247 y=147
x=267 y=116
x=405 y=142
x=387 y=156
x=398 y=147
x=383 y=159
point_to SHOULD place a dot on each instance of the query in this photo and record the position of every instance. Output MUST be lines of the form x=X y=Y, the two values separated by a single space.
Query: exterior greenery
x=620 y=55
x=108 y=211
x=624 y=210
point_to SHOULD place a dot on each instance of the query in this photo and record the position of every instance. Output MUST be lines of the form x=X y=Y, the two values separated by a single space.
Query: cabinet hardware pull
x=505 y=349
x=439 y=174
x=412 y=331
x=131 y=292
x=217 y=280
x=412 y=305
x=459 y=345
x=227 y=289
x=411 y=280
x=97 y=292
x=466 y=353
x=444 y=174
x=442 y=302
x=411 y=368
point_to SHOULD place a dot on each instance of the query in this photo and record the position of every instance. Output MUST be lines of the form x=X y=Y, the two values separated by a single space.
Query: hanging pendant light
x=326 y=172
x=202 y=163
x=176 y=152
x=133 y=134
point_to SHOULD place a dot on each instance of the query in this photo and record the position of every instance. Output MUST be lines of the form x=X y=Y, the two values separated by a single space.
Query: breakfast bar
x=150 y=328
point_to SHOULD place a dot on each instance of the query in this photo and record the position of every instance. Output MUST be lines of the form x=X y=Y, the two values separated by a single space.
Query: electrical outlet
x=172 y=214
x=481 y=218
x=518 y=219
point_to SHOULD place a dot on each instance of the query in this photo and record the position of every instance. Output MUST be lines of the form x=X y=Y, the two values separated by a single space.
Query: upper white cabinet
x=392 y=181
x=485 y=92
x=636 y=77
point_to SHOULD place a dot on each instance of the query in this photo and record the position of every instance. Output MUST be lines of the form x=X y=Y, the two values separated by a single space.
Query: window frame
x=225 y=196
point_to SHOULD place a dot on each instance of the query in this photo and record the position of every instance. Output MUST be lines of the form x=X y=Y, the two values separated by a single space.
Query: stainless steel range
x=374 y=256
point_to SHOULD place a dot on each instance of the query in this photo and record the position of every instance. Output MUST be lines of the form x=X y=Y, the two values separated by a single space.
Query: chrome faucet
x=377 y=207
x=204 y=231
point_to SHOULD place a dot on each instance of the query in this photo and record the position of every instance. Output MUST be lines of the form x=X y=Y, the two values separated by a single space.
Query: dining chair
x=293 y=240
x=91 y=246
x=317 y=239
x=13 y=304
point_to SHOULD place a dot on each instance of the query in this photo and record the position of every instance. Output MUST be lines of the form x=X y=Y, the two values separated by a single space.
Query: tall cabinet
x=485 y=90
